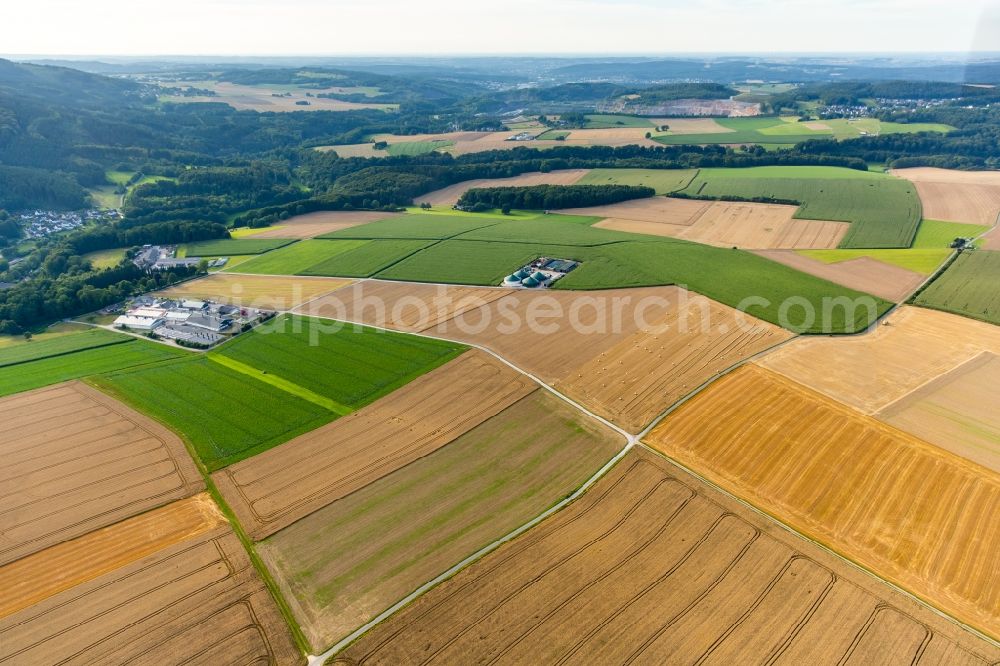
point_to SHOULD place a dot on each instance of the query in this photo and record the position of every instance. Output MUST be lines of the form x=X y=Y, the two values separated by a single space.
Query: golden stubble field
x=173 y=585
x=912 y=347
x=256 y=291
x=652 y=566
x=719 y=223
x=73 y=459
x=910 y=512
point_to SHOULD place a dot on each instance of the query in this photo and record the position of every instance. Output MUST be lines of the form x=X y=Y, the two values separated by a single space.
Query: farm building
x=139 y=322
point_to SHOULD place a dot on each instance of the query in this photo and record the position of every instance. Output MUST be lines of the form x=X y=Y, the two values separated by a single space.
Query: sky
x=436 y=27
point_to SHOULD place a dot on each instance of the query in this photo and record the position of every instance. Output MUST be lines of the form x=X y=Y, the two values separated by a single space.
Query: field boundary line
x=318 y=660
x=775 y=520
x=280 y=383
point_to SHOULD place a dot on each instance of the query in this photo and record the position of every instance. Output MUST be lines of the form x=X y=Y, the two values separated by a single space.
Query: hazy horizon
x=397 y=28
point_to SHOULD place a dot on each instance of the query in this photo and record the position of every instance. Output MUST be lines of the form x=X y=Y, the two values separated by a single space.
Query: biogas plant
x=540 y=273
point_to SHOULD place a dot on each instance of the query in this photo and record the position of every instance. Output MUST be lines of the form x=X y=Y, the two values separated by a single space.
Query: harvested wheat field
x=642 y=375
x=956 y=196
x=651 y=566
x=344 y=564
x=870 y=371
x=657 y=216
x=547 y=333
x=38 y=576
x=276 y=488
x=403 y=306
x=957 y=411
x=913 y=514
x=450 y=195
x=864 y=274
x=272 y=292
x=625 y=353
x=171 y=586
x=322 y=222
x=723 y=224
x=73 y=459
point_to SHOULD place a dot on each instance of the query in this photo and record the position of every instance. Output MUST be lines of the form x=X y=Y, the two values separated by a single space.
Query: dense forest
x=545 y=197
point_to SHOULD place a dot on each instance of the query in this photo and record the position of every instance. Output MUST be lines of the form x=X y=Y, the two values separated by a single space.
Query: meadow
x=417 y=147
x=105 y=258
x=74 y=365
x=352 y=365
x=967 y=287
x=661 y=180
x=884 y=211
x=232 y=246
x=225 y=415
x=297 y=257
x=607 y=121
x=59 y=346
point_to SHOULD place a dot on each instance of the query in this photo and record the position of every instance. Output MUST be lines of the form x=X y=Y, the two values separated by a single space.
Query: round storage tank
x=529 y=282
x=512 y=279
x=540 y=276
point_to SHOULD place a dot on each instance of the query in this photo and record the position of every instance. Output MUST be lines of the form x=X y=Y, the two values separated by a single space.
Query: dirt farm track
x=653 y=567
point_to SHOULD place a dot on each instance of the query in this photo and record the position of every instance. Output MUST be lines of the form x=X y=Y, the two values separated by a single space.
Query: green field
x=469 y=262
x=728 y=276
x=970 y=287
x=661 y=180
x=418 y=226
x=606 y=121
x=55 y=369
x=60 y=345
x=789 y=131
x=929 y=250
x=105 y=258
x=884 y=211
x=551 y=229
x=233 y=246
x=351 y=365
x=224 y=414
x=417 y=147
x=552 y=135
x=297 y=257
x=368 y=259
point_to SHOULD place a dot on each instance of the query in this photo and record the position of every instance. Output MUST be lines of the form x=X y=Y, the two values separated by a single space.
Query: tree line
x=545 y=197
